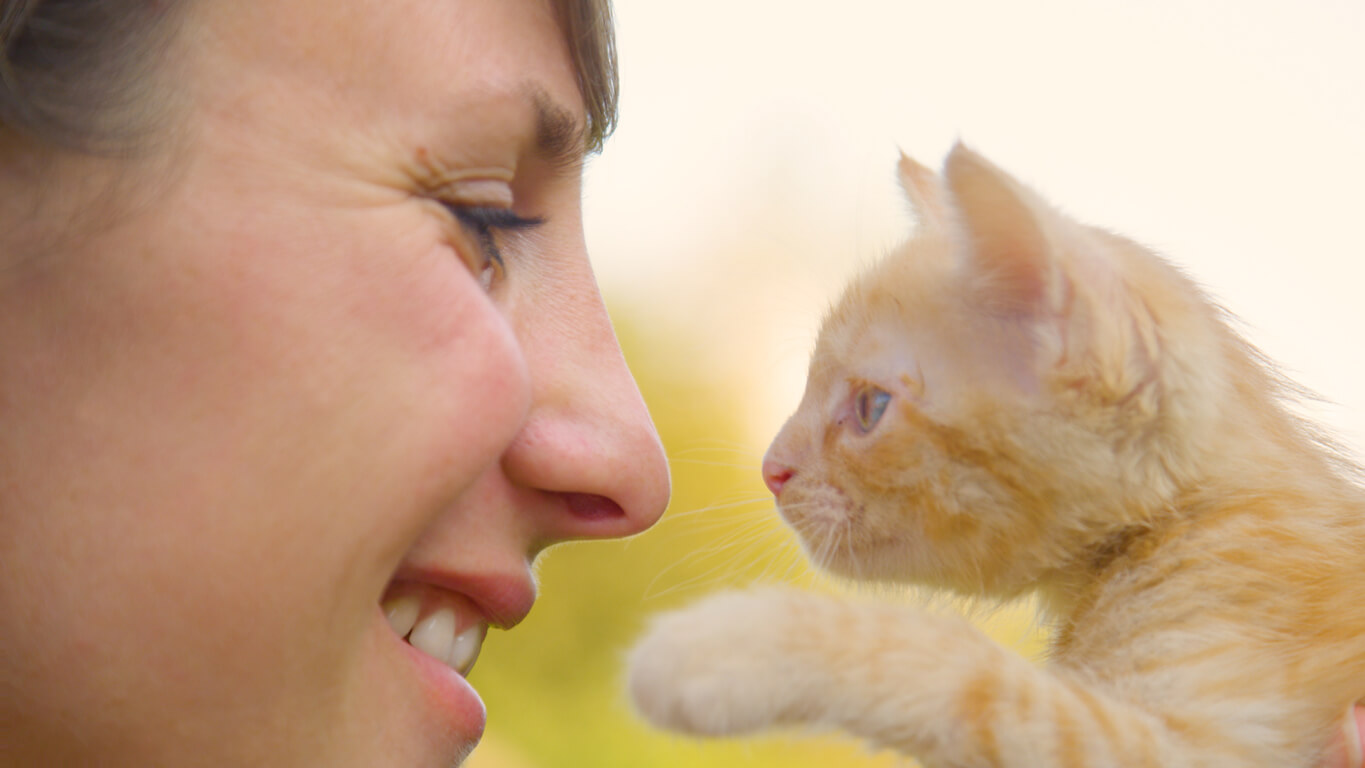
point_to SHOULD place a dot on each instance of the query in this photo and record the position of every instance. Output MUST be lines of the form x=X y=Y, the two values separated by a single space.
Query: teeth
x=435 y=635
x=465 y=649
x=402 y=614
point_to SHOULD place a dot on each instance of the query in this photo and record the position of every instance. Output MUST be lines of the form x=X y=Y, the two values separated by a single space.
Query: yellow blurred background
x=753 y=172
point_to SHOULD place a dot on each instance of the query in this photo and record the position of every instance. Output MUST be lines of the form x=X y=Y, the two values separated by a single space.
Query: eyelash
x=483 y=221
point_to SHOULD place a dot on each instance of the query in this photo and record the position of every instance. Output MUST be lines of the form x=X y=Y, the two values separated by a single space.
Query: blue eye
x=485 y=221
x=869 y=405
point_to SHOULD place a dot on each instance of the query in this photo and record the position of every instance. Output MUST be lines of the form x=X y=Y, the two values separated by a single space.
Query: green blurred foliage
x=554 y=686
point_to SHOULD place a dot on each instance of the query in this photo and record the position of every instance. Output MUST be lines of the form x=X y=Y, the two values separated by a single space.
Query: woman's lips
x=440 y=634
x=438 y=620
x=499 y=599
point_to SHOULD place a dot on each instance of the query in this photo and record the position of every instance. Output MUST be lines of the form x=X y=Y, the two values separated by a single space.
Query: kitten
x=1013 y=402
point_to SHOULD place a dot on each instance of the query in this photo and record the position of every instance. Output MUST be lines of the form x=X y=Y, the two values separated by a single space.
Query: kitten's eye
x=869 y=405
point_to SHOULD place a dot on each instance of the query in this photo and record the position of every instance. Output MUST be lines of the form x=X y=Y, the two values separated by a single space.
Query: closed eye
x=483 y=222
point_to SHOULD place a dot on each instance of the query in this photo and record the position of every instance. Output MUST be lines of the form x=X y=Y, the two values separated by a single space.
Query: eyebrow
x=560 y=139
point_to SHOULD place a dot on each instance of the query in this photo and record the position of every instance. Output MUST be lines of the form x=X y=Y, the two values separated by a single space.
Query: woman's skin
x=1348 y=747
x=285 y=384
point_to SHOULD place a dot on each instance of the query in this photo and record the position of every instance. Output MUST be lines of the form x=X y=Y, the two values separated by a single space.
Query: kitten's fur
x=1068 y=416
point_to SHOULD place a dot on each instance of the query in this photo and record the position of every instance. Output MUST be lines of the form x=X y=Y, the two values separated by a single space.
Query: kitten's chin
x=863 y=571
x=839 y=555
x=889 y=562
x=836 y=542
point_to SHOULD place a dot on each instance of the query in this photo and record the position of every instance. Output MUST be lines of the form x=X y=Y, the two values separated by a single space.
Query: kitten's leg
x=925 y=685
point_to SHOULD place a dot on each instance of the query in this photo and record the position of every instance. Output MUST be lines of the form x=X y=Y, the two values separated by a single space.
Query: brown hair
x=78 y=73
x=587 y=26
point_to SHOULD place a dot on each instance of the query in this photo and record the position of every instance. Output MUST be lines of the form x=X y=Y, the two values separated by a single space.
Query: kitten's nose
x=775 y=475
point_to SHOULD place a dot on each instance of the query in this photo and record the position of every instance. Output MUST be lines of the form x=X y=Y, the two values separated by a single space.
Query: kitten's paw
x=723 y=666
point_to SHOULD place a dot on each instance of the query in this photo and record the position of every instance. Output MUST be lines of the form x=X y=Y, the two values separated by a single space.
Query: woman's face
x=297 y=388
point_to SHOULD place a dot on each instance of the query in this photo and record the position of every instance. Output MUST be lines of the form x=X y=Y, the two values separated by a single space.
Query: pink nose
x=776 y=475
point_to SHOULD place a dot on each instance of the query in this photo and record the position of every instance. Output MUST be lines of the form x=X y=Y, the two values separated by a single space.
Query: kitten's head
x=1001 y=392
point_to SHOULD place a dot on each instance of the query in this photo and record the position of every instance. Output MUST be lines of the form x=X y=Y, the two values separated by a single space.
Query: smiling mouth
x=438 y=625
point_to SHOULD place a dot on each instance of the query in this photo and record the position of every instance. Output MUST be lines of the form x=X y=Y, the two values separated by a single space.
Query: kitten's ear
x=1020 y=257
x=1006 y=230
x=924 y=190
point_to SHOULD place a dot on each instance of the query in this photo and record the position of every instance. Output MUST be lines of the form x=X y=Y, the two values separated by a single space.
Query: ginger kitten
x=1013 y=402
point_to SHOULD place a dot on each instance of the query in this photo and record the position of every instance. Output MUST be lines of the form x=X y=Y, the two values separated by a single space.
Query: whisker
x=730 y=504
x=756 y=467
x=716 y=444
x=717 y=557
x=781 y=550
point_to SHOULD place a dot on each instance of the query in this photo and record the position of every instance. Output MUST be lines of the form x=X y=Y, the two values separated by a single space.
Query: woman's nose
x=588 y=438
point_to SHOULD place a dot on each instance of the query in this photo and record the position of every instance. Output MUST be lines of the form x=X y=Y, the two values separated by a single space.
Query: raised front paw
x=726 y=665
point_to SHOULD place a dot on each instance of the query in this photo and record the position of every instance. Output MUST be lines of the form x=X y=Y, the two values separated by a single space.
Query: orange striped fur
x=1070 y=417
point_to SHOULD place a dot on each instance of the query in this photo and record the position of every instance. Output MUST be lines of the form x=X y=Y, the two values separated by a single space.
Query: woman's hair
x=80 y=74
x=589 y=32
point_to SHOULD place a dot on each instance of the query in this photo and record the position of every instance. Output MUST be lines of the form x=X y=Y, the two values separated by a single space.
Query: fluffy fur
x=1067 y=415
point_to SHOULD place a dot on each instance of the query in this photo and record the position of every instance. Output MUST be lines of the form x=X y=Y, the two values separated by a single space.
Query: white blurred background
x=753 y=168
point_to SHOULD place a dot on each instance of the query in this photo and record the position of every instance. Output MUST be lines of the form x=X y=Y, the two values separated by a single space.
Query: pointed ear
x=1006 y=230
x=924 y=190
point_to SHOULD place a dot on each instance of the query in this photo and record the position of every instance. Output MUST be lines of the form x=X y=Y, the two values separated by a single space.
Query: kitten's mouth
x=443 y=625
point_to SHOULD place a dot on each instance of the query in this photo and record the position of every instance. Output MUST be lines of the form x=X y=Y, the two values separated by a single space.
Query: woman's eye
x=484 y=222
x=869 y=405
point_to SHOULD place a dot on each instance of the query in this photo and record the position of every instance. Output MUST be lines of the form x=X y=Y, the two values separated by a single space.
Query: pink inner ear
x=925 y=192
x=1009 y=253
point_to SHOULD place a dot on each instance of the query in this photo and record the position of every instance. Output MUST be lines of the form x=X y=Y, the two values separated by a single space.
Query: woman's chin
x=442 y=716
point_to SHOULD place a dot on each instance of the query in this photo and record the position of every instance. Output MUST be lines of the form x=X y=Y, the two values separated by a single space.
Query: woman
x=300 y=354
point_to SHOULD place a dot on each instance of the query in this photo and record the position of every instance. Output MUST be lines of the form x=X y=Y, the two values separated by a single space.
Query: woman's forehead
x=428 y=73
x=437 y=49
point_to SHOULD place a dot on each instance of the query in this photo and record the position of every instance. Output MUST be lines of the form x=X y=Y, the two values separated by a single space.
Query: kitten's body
x=1065 y=414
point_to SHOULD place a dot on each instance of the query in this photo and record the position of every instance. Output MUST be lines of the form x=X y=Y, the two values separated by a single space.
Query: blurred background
x=753 y=173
